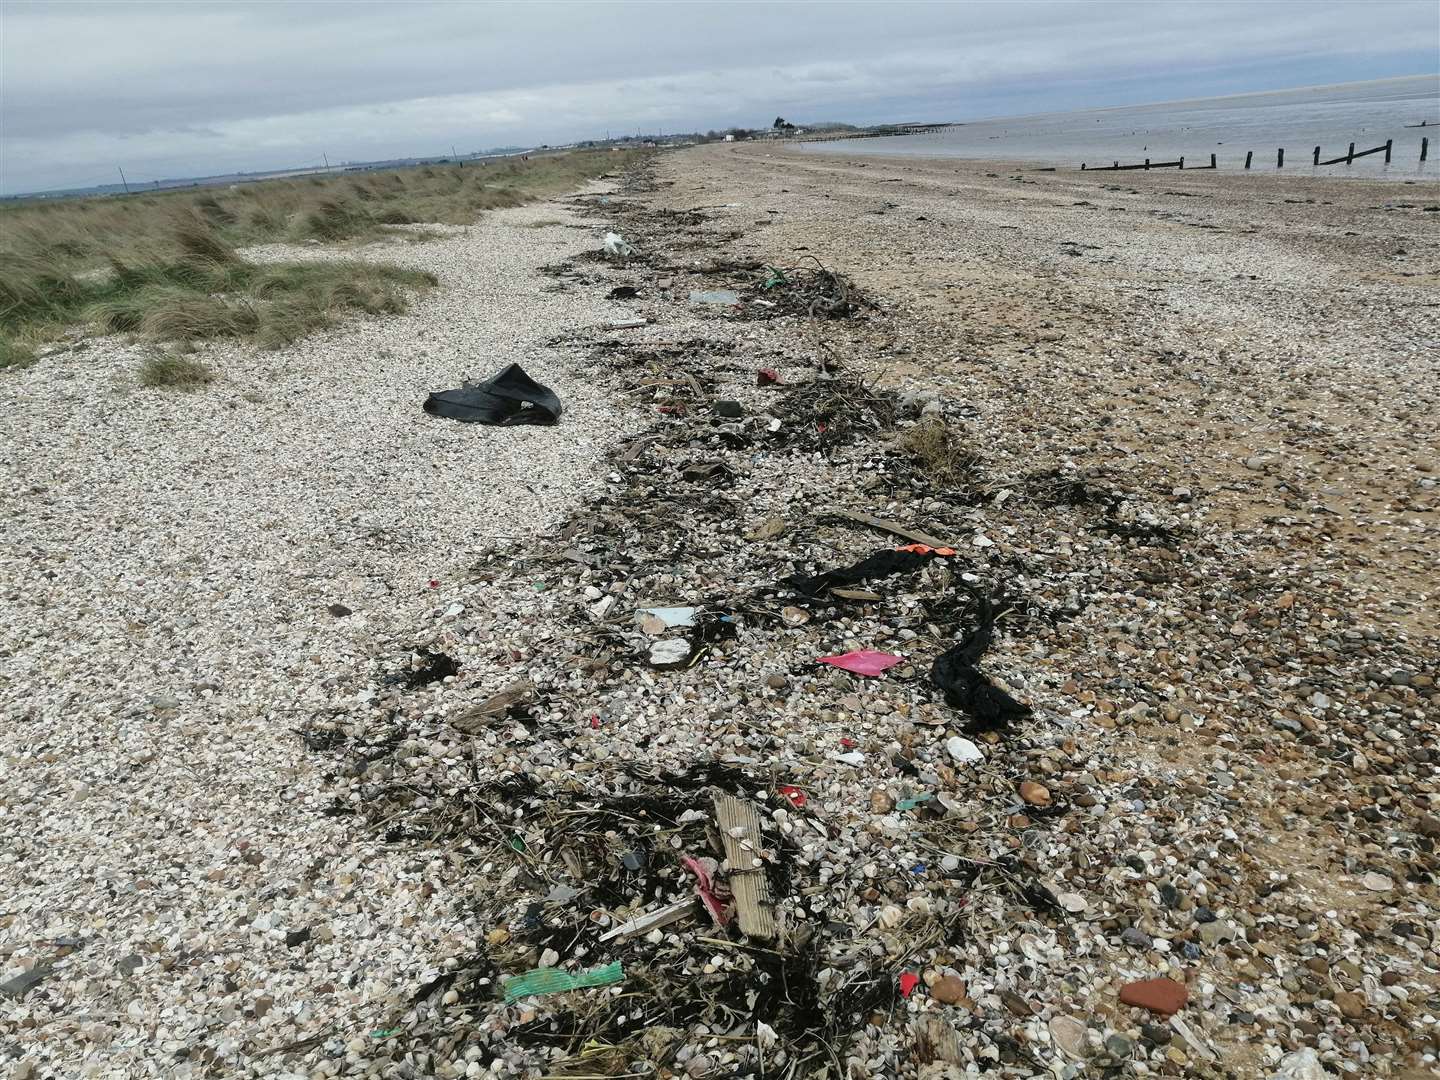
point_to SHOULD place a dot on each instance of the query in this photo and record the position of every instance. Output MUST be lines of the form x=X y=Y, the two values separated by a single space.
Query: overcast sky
x=190 y=88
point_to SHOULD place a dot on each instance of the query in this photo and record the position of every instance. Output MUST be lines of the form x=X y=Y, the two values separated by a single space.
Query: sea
x=1330 y=117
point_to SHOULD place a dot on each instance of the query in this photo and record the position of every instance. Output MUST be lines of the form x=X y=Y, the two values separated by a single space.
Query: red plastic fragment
x=705 y=886
x=908 y=981
x=794 y=794
x=863 y=661
x=767 y=377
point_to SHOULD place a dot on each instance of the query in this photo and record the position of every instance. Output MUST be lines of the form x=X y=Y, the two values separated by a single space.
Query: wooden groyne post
x=1280 y=158
x=1248 y=155
x=1388 y=144
x=1316 y=159
x=1348 y=158
x=1424 y=148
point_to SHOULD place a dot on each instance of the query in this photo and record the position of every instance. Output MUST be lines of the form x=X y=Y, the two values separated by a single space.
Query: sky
x=191 y=88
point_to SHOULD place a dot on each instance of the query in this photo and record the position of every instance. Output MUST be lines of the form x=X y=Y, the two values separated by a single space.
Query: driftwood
x=915 y=536
x=479 y=717
x=740 y=827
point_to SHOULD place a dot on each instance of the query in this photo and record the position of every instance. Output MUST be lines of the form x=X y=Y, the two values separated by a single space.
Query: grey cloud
x=207 y=87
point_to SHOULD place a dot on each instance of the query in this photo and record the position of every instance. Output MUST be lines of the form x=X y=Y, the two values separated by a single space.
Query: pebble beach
x=1188 y=450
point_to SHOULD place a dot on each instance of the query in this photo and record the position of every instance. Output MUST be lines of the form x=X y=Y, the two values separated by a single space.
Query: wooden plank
x=739 y=823
x=894 y=528
x=1351 y=155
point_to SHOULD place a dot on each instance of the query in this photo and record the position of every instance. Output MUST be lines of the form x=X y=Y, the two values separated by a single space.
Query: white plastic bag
x=616 y=247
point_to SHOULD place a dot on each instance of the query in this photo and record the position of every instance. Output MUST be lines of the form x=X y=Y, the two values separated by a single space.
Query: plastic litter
x=881 y=564
x=864 y=662
x=767 y=377
x=963 y=750
x=908 y=981
x=793 y=794
x=704 y=871
x=1302 y=1064
x=669 y=653
x=554 y=981
x=615 y=246
x=506 y=398
x=955 y=672
x=623 y=292
x=724 y=297
x=914 y=800
x=671 y=616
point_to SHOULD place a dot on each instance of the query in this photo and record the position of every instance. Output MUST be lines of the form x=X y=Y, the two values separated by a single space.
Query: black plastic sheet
x=509 y=397
x=955 y=672
x=880 y=564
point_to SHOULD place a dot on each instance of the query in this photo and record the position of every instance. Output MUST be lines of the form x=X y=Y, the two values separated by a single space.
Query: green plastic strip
x=555 y=981
x=914 y=801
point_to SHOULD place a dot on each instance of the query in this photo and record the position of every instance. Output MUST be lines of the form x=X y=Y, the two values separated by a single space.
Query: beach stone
x=1121 y=1046
x=1068 y=1035
x=1036 y=794
x=950 y=990
x=1350 y=1004
x=1156 y=1034
x=1377 y=882
x=1163 y=996
x=1216 y=933
x=1135 y=938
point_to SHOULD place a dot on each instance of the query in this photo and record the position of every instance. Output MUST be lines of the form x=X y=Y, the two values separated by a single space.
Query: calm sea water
x=1330 y=117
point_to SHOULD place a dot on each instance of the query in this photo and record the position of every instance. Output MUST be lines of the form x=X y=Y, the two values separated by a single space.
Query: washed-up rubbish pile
x=719 y=838
x=820 y=414
x=812 y=290
x=719 y=785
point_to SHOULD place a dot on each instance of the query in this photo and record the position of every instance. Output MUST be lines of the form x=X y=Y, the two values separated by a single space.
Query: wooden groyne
x=1387 y=148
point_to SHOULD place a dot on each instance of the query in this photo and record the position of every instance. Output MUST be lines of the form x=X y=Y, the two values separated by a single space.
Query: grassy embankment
x=164 y=265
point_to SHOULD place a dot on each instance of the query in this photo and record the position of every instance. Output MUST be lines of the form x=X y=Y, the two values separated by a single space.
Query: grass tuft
x=15 y=353
x=180 y=372
x=938 y=453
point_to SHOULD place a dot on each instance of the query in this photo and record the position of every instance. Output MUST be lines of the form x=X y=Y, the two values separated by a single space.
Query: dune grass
x=192 y=288
x=167 y=369
x=164 y=265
